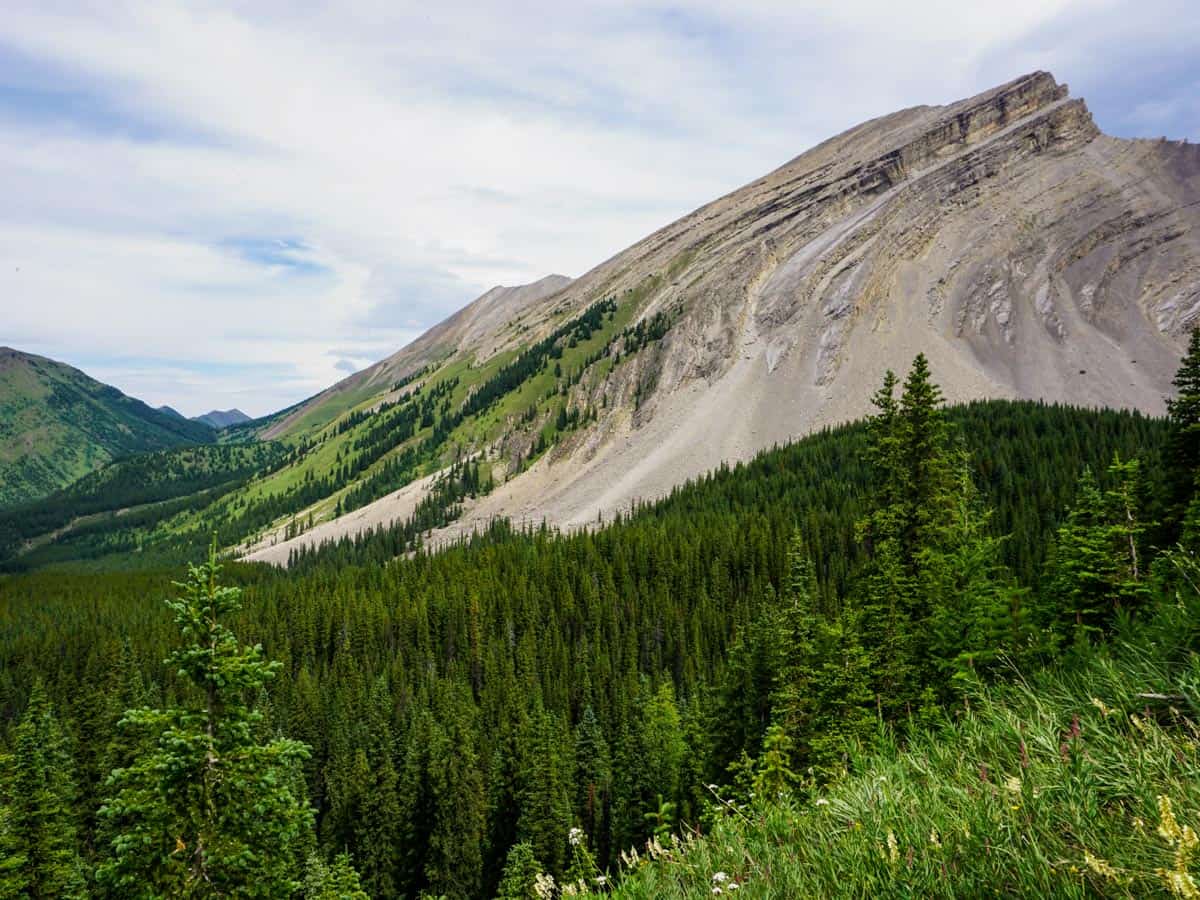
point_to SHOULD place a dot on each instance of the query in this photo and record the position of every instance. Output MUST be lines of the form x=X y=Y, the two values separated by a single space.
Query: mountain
x=1025 y=252
x=171 y=411
x=57 y=424
x=222 y=418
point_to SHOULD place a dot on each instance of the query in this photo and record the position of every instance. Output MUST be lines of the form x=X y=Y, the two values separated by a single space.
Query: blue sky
x=236 y=204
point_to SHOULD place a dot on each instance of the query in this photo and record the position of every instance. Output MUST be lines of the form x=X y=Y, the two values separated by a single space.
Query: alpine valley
x=841 y=538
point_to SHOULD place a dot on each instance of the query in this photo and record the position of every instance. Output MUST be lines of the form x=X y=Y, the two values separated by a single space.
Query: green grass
x=1061 y=786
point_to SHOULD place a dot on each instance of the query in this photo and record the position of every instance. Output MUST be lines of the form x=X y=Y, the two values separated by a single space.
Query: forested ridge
x=519 y=714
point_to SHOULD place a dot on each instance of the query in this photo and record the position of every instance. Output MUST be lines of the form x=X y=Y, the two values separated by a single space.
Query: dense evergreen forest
x=531 y=714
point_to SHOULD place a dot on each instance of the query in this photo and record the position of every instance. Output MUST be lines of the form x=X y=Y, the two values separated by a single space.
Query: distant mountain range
x=58 y=424
x=216 y=418
x=222 y=418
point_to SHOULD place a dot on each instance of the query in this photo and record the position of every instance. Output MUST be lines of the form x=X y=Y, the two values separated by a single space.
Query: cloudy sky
x=236 y=204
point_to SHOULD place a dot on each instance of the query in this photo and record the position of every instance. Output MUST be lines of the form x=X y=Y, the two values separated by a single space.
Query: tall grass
x=1076 y=783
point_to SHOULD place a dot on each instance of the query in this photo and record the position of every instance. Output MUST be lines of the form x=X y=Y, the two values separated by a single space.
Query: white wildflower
x=543 y=886
x=575 y=836
x=821 y=801
x=719 y=878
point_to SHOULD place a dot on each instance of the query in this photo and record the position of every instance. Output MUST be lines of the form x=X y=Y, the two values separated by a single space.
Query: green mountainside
x=57 y=424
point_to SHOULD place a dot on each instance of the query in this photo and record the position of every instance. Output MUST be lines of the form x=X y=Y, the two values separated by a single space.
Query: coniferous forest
x=945 y=651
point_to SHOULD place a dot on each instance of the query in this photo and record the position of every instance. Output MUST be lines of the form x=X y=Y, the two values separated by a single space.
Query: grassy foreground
x=1084 y=781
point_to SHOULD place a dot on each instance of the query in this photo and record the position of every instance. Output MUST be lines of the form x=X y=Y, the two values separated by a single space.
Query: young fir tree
x=38 y=851
x=454 y=864
x=593 y=774
x=775 y=778
x=1182 y=457
x=207 y=811
x=1098 y=566
x=799 y=621
x=978 y=616
x=338 y=881
x=843 y=704
x=1080 y=571
x=521 y=870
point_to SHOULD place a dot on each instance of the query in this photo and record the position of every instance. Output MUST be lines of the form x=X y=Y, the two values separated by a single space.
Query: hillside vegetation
x=1078 y=781
x=57 y=424
x=530 y=706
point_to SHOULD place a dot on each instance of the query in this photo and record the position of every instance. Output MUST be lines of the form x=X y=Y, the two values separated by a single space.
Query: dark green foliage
x=39 y=855
x=338 y=881
x=524 y=683
x=208 y=810
x=521 y=870
x=1181 y=457
x=151 y=478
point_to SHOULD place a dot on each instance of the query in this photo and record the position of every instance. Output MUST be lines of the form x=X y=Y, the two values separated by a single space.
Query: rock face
x=1024 y=252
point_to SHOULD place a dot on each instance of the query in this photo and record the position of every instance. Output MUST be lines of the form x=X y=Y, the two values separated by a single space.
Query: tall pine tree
x=207 y=811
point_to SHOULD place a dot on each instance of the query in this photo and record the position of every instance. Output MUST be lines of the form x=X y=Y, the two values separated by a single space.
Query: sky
x=237 y=204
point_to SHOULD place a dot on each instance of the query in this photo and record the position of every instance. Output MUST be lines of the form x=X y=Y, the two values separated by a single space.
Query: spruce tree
x=1080 y=568
x=338 y=881
x=1182 y=457
x=38 y=848
x=521 y=870
x=799 y=619
x=207 y=811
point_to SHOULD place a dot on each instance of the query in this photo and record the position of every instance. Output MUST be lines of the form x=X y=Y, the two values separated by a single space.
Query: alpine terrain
x=1026 y=253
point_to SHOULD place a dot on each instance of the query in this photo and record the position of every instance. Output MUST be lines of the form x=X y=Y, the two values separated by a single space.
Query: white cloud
x=418 y=155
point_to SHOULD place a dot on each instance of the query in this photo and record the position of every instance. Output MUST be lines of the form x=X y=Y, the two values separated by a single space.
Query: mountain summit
x=1027 y=254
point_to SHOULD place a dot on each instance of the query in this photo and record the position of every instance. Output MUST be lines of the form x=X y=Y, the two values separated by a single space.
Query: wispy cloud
x=252 y=199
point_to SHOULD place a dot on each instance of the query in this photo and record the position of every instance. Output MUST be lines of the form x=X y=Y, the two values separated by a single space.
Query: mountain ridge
x=58 y=424
x=222 y=418
x=1025 y=252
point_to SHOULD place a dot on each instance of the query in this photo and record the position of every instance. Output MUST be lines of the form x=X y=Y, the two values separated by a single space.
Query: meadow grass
x=1076 y=783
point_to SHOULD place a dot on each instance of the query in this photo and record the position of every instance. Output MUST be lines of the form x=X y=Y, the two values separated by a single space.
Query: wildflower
x=656 y=850
x=1099 y=866
x=602 y=880
x=717 y=891
x=821 y=801
x=1099 y=704
x=934 y=838
x=1178 y=879
x=719 y=878
x=543 y=886
x=575 y=836
x=892 y=846
x=733 y=886
x=1012 y=784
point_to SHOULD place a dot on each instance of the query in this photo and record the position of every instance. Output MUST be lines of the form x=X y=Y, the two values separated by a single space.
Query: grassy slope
x=57 y=424
x=1048 y=787
x=477 y=431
